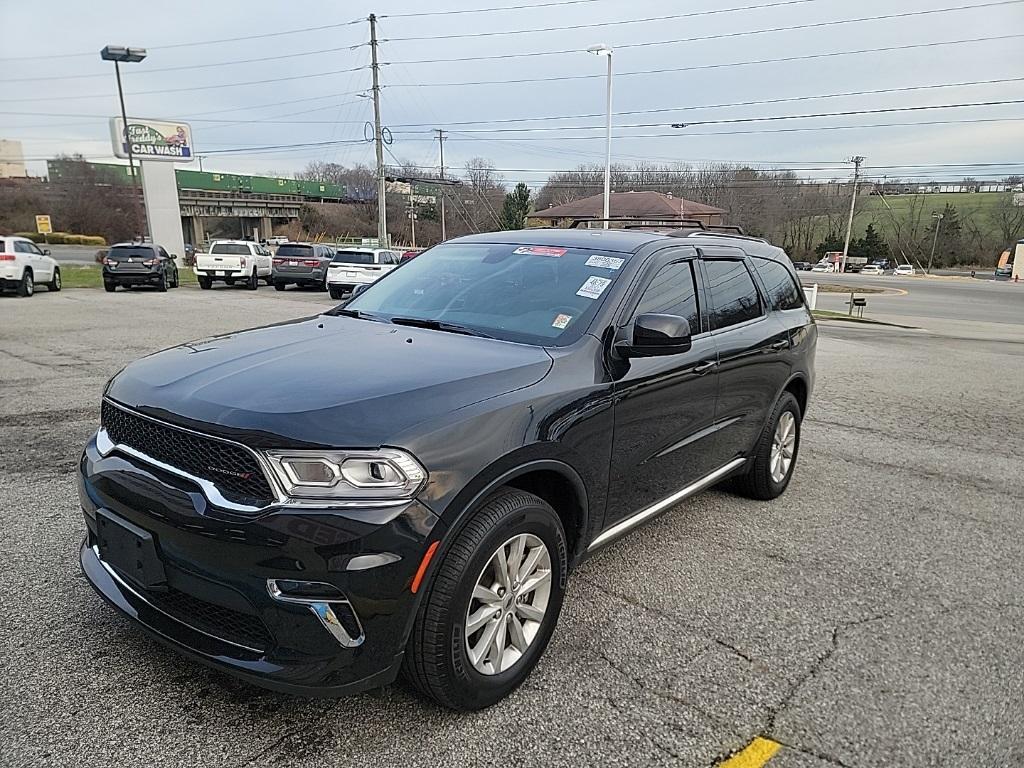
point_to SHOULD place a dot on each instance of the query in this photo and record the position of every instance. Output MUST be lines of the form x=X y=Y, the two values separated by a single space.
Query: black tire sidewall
x=473 y=689
x=786 y=403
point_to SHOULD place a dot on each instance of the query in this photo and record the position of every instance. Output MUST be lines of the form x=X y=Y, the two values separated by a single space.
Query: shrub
x=63 y=238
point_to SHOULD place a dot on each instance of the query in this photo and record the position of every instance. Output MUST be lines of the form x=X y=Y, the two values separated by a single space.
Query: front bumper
x=214 y=602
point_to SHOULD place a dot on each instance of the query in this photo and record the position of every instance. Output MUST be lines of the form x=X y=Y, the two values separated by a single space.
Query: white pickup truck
x=234 y=260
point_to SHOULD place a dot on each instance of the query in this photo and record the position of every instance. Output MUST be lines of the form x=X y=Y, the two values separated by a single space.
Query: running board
x=646 y=514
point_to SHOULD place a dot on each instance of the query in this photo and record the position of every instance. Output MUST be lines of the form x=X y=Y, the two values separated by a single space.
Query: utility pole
x=378 y=138
x=935 y=239
x=412 y=214
x=856 y=160
x=440 y=144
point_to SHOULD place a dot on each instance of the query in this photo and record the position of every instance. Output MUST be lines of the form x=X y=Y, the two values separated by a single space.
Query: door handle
x=780 y=345
x=701 y=368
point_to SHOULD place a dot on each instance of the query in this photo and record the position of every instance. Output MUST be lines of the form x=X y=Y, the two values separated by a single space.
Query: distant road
x=73 y=254
x=951 y=299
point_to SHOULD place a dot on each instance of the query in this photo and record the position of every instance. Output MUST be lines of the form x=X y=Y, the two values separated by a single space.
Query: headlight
x=387 y=473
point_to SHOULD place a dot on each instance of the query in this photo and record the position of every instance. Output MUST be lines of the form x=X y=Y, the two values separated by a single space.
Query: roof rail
x=721 y=234
x=637 y=223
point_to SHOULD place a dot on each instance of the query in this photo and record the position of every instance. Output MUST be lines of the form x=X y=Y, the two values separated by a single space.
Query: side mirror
x=654 y=335
x=359 y=289
x=46 y=251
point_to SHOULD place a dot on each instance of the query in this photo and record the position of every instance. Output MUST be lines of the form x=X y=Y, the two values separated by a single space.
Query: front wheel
x=490 y=610
x=774 y=459
x=54 y=284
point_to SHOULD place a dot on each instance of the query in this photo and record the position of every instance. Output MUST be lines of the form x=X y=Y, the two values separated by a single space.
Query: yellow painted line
x=754 y=755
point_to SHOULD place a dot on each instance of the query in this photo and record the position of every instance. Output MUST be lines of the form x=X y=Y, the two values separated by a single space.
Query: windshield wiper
x=438 y=325
x=357 y=313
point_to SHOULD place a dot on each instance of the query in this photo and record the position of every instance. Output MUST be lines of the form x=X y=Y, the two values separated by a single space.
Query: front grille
x=232 y=469
x=225 y=623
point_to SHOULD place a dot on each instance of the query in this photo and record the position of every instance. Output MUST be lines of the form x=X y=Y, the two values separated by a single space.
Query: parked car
x=234 y=261
x=304 y=264
x=405 y=482
x=823 y=268
x=411 y=254
x=352 y=267
x=1004 y=272
x=802 y=266
x=904 y=269
x=139 y=263
x=278 y=240
x=872 y=269
x=24 y=265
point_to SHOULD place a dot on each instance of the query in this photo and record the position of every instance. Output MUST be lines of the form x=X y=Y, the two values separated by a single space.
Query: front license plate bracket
x=130 y=550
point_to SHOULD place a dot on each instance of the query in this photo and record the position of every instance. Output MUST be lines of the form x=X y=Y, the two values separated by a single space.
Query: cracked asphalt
x=872 y=616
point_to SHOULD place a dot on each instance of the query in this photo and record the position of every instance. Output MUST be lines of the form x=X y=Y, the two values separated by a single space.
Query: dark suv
x=468 y=428
x=304 y=264
x=131 y=264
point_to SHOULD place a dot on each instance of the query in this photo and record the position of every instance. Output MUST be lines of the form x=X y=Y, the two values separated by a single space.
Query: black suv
x=404 y=482
x=304 y=264
x=130 y=264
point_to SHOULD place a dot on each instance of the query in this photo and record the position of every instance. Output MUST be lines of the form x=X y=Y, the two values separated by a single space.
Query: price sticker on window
x=594 y=287
x=605 y=262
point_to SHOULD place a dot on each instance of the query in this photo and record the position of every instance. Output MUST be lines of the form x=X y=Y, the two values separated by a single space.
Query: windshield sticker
x=606 y=262
x=540 y=250
x=561 y=321
x=594 y=287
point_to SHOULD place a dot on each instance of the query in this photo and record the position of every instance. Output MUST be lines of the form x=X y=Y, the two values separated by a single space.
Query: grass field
x=91 y=277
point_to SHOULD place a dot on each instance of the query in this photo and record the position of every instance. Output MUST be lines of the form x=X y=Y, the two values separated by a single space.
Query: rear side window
x=3 y=246
x=783 y=292
x=354 y=257
x=230 y=249
x=734 y=298
x=301 y=251
x=673 y=291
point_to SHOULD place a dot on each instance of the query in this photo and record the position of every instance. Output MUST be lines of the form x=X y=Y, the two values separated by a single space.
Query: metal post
x=608 y=148
x=935 y=239
x=412 y=216
x=853 y=201
x=382 y=210
x=440 y=144
x=131 y=156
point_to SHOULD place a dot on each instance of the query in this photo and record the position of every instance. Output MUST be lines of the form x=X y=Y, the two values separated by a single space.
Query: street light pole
x=935 y=239
x=117 y=54
x=604 y=50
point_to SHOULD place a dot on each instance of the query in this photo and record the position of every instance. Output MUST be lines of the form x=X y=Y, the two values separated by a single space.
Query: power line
x=838 y=166
x=596 y=25
x=696 y=67
x=724 y=35
x=484 y=10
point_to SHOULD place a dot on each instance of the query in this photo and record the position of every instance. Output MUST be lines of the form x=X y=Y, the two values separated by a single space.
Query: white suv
x=231 y=260
x=359 y=266
x=23 y=266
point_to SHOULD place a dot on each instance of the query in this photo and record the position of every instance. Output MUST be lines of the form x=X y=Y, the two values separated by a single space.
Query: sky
x=256 y=78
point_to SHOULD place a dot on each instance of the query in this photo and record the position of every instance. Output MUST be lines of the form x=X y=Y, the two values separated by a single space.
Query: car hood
x=325 y=381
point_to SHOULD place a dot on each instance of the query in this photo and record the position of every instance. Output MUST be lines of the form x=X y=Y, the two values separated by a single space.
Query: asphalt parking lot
x=872 y=616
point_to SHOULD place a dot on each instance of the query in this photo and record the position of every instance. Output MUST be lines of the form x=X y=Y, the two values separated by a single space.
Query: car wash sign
x=152 y=139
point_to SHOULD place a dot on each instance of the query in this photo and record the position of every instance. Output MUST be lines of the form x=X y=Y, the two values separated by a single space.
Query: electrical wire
x=457 y=11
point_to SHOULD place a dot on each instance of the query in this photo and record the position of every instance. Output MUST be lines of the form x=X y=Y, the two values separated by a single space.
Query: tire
x=759 y=482
x=336 y=293
x=177 y=279
x=205 y=282
x=278 y=286
x=54 y=284
x=229 y=281
x=162 y=285
x=437 y=660
x=269 y=279
x=253 y=282
x=109 y=287
x=27 y=286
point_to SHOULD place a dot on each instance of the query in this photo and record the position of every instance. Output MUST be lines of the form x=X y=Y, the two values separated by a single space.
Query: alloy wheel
x=783 y=447
x=508 y=605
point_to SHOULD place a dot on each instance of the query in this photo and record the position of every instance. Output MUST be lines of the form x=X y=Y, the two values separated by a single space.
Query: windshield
x=120 y=254
x=234 y=249
x=531 y=294
x=303 y=251
x=353 y=257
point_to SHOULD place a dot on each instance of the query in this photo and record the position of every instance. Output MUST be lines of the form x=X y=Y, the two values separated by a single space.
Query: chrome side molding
x=647 y=513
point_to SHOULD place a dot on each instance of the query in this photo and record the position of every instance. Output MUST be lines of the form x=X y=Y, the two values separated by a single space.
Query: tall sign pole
x=857 y=160
x=378 y=138
x=440 y=144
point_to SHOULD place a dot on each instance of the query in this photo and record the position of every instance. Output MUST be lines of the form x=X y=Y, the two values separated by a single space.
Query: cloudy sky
x=271 y=86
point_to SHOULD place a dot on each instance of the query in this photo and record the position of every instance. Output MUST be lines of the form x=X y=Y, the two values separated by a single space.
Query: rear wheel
x=253 y=282
x=205 y=283
x=279 y=286
x=489 y=611
x=336 y=293
x=774 y=459
x=109 y=286
x=162 y=285
x=27 y=286
x=54 y=284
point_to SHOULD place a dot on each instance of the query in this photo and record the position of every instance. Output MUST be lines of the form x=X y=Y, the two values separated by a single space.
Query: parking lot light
x=118 y=54
x=604 y=50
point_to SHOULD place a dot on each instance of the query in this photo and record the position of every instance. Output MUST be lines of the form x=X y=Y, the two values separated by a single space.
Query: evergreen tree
x=517 y=204
x=949 y=248
x=872 y=245
x=832 y=242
